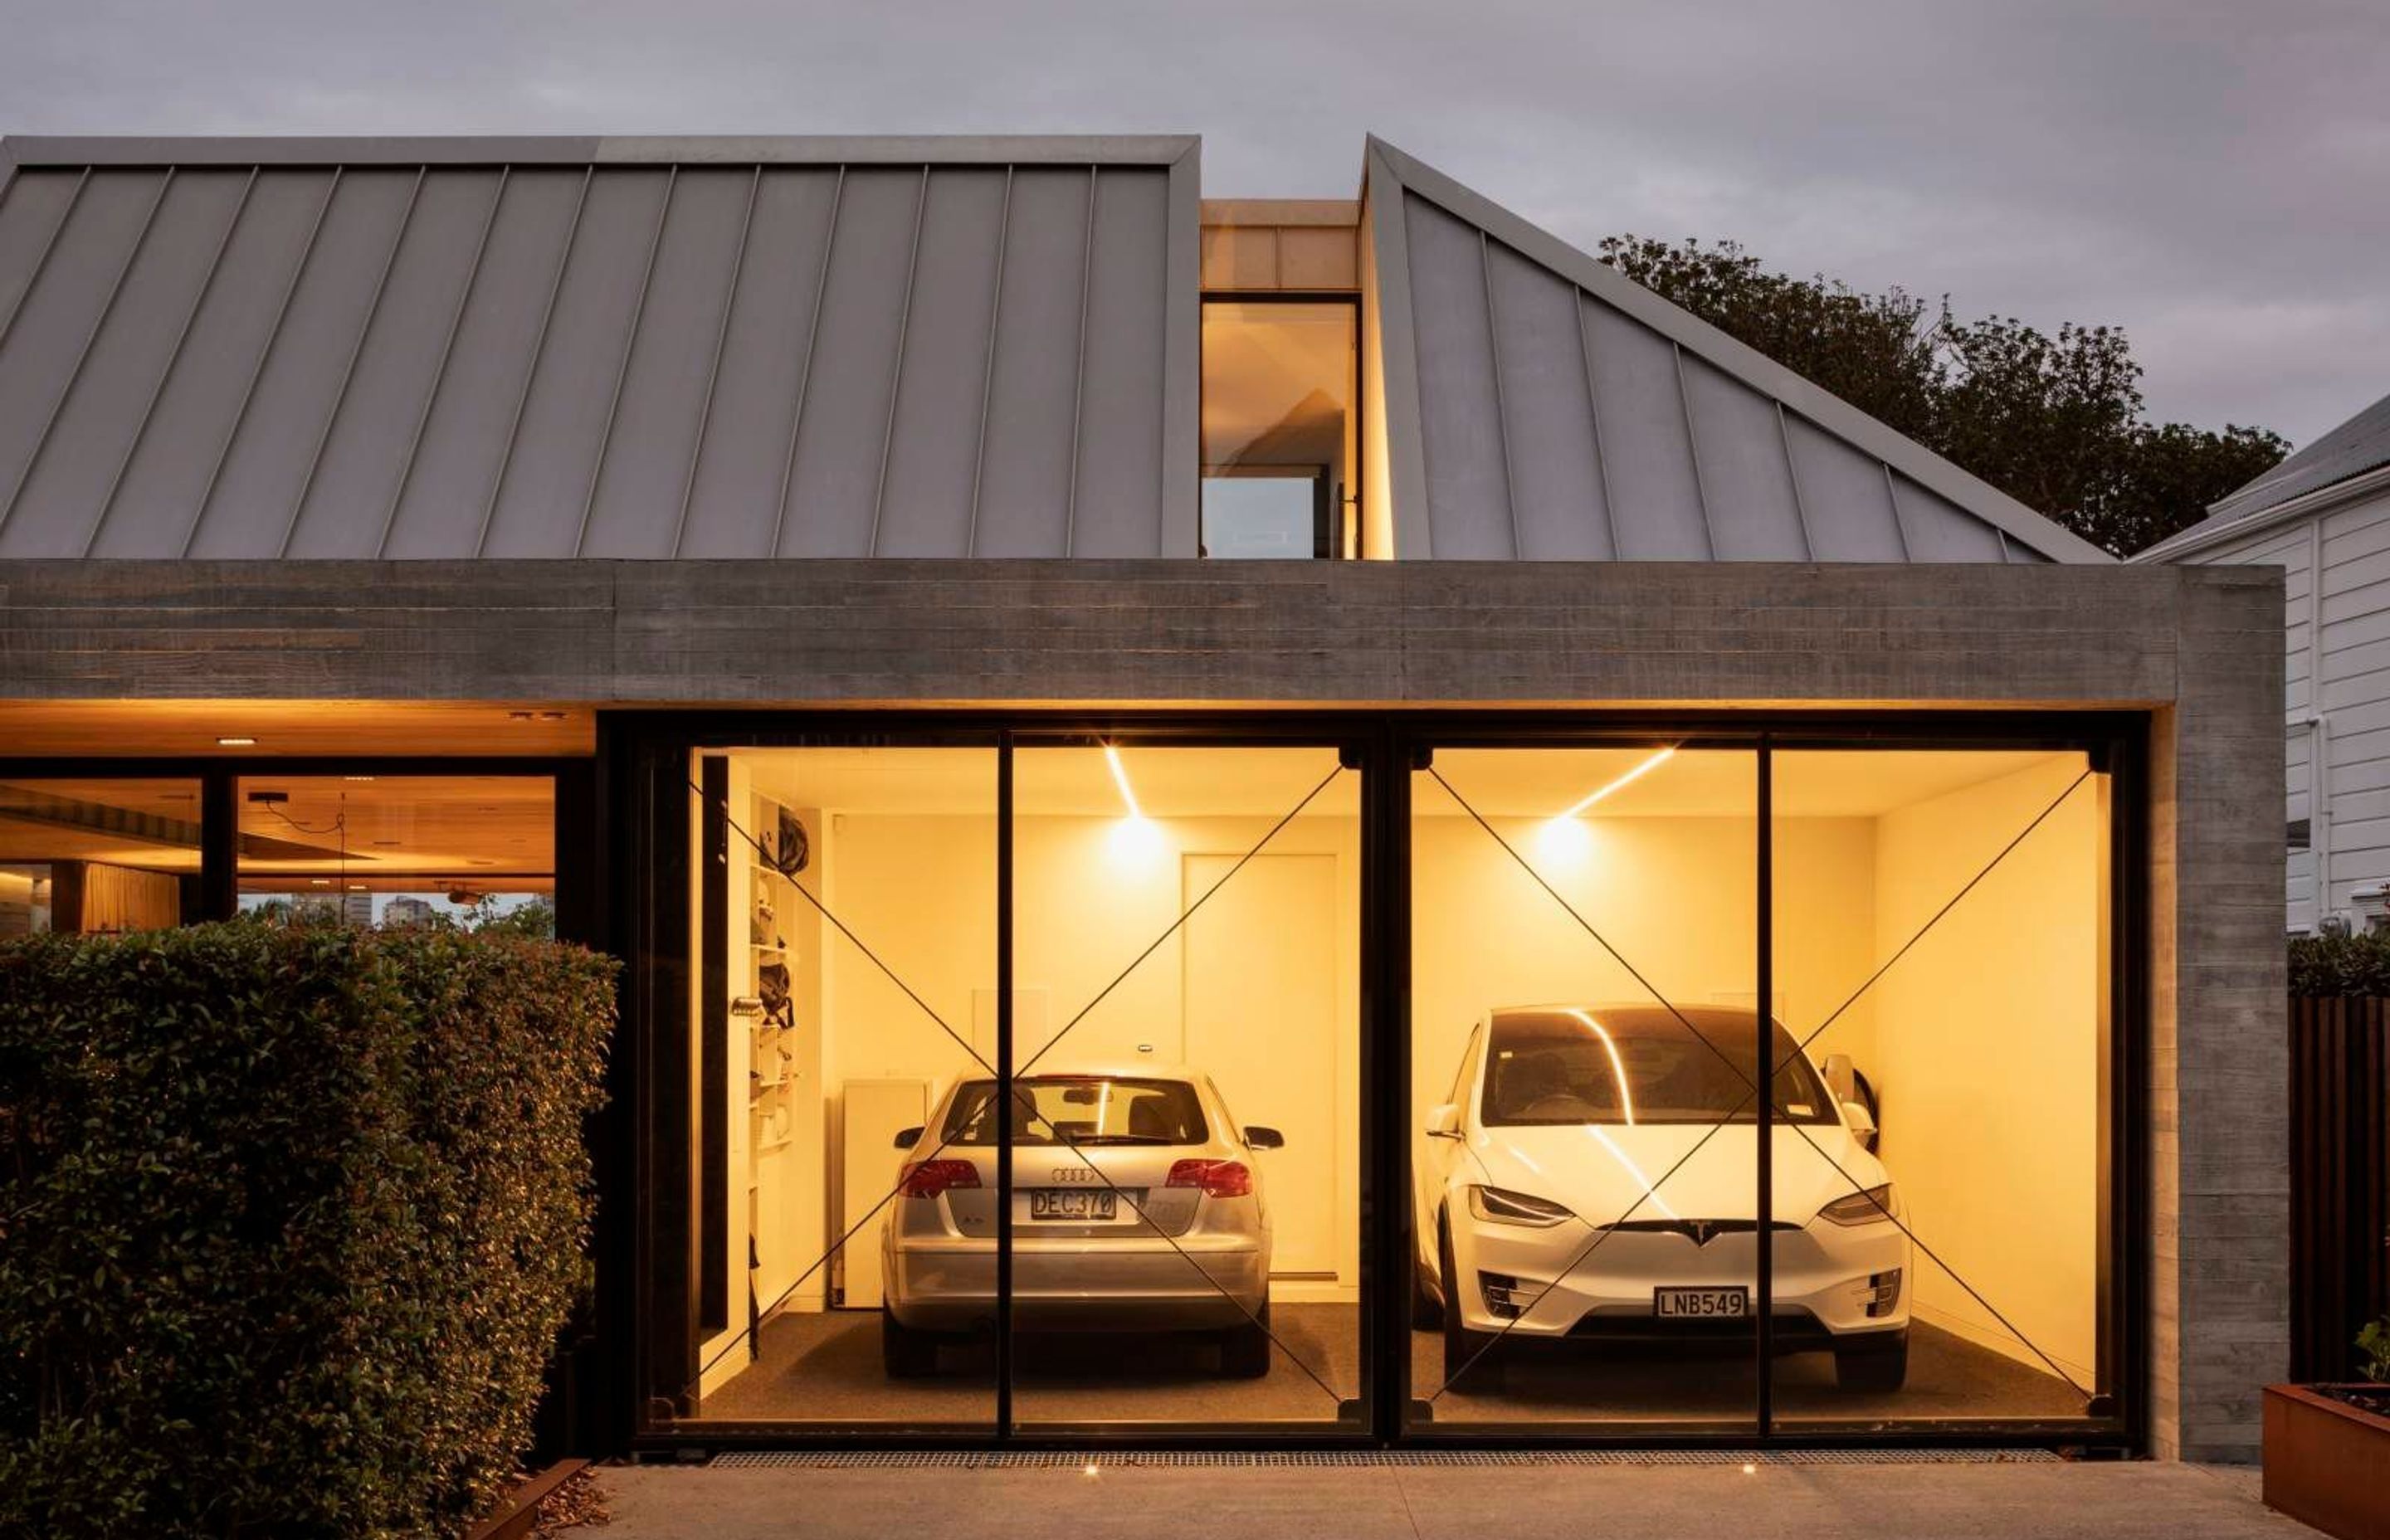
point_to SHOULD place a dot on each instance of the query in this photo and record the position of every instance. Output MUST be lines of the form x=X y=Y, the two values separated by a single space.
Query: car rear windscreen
x=1640 y=1065
x=1080 y=1110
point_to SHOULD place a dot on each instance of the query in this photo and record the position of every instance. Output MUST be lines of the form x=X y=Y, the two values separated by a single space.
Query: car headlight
x=1860 y=1208
x=1503 y=1206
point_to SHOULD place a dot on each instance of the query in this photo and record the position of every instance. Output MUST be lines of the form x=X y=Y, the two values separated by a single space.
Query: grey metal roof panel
x=1032 y=401
x=598 y=347
x=1685 y=445
x=1561 y=502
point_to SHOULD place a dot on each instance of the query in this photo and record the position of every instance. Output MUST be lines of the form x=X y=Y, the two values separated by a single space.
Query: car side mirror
x=1445 y=1122
x=1862 y=1124
x=907 y=1137
x=1259 y=1137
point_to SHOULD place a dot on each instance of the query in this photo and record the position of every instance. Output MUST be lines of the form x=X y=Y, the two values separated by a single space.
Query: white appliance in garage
x=876 y=1112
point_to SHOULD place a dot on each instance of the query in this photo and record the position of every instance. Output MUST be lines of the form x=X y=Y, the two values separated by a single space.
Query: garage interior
x=1939 y=933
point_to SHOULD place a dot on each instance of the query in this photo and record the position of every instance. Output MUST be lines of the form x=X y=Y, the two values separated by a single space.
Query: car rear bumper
x=952 y=1288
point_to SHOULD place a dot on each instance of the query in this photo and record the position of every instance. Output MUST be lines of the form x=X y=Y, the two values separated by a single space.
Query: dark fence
x=2340 y=1180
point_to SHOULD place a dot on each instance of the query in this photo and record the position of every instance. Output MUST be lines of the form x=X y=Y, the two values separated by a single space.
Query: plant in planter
x=2327 y=1446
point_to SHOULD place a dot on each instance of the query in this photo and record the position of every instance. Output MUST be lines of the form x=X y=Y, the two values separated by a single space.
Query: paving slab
x=2115 y=1501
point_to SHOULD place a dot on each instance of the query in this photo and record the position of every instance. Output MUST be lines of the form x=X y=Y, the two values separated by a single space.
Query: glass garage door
x=1942 y=920
x=1612 y=1084
x=1584 y=948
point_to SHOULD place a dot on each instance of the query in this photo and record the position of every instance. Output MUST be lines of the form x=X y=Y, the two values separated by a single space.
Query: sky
x=2212 y=175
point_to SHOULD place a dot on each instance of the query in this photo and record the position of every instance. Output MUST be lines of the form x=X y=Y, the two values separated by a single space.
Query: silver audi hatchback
x=1136 y=1206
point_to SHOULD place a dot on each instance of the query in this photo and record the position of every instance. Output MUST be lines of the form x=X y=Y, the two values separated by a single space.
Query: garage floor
x=826 y=1367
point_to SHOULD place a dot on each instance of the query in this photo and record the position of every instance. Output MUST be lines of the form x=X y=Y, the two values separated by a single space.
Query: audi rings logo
x=1076 y=1174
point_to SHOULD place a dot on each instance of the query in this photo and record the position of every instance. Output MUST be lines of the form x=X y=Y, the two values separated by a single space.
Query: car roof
x=1110 y=1069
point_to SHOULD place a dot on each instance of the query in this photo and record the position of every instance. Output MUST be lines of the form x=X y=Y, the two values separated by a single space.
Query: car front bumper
x=1828 y=1280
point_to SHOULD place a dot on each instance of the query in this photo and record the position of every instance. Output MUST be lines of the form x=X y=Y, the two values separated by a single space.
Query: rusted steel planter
x=2326 y=1462
x=513 y=1519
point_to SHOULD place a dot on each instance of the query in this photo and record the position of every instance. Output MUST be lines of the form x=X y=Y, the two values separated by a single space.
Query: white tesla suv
x=1550 y=1202
x=1136 y=1206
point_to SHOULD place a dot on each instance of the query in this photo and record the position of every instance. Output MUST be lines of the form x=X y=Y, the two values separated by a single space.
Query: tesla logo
x=1700 y=1230
x=1076 y=1174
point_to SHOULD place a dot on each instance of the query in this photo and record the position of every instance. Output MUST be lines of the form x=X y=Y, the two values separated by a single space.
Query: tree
x=2056 y=421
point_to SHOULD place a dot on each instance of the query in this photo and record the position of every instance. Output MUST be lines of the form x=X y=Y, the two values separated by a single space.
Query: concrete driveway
x=1874 y=1501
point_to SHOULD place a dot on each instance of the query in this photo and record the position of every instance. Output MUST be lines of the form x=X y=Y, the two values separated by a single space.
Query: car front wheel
x=905 y=1352
x=1470 y=1362
x=1880 y=1365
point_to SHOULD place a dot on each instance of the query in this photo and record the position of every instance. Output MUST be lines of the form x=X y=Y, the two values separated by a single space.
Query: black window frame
x=644 y=759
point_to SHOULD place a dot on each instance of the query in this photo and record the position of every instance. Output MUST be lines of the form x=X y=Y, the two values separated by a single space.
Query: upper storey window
x=1280 y=380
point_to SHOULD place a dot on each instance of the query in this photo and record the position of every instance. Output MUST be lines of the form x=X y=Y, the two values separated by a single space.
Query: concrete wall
x=2198 y=647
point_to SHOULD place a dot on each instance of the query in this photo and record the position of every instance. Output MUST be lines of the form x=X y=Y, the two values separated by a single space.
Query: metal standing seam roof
x=1542 y=405
x=2360 y=444
x=576 y=346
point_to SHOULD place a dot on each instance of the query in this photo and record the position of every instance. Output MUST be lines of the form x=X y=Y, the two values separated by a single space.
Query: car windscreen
x=1080 y=1110
x=1641 y=1065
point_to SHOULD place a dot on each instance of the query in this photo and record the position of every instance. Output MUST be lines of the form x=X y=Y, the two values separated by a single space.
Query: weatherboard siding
x=2336 y=692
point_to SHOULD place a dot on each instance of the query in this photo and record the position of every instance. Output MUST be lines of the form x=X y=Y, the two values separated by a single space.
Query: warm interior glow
x=1628 y=779
x=1562 y=842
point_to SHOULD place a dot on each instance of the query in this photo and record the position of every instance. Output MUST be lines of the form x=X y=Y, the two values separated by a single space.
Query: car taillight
x=929 y=1178
x=1218 y=1178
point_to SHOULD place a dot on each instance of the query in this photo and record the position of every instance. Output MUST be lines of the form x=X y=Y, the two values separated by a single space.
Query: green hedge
x=289 y=1218
x=2334 y=967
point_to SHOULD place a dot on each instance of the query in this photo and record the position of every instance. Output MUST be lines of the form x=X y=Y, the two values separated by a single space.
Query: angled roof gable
x=2348 y=451
x=1542 y=405
x=559 y=347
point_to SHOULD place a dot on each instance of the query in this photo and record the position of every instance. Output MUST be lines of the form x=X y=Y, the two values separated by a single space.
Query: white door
x=1261 y=1021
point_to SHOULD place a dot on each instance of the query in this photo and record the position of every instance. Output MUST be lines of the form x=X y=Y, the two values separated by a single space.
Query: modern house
x=952 y=613
x=2323 y=517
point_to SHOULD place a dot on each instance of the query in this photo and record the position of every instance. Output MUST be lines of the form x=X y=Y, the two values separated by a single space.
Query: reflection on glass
x=843 y=919
x=1586 y=1042
x=98 y=854
x=1186 y=1201
x=1962 y=1043
x=400 y=849
x=1279 y=447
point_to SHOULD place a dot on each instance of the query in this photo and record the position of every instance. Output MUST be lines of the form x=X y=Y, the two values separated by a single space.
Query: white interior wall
x=1988 y=1035
x=1676 y=896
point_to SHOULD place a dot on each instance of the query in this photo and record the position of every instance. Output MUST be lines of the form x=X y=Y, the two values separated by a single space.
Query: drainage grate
x=1058 y=1460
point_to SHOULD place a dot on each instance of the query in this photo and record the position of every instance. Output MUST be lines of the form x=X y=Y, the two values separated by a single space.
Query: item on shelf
x=761 y=920
x=772 y=989
x=792 y=850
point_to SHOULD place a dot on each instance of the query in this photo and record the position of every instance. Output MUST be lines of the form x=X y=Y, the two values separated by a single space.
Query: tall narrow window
x=1278 y=447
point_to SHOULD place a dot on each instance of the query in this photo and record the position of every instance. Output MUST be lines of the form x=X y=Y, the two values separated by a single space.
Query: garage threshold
x=986 y=1459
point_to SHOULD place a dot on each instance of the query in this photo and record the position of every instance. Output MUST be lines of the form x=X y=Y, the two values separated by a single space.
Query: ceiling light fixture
x=1119 y=778
x=236 y=743
x=1632 y=775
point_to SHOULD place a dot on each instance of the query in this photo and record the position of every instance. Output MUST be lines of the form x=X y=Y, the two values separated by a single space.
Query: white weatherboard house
x=2323 y=517
x=916 y=601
